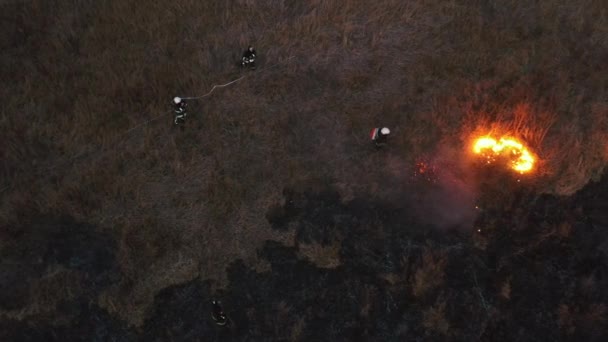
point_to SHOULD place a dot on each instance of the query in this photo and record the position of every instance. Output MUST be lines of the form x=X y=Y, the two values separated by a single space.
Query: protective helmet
x=385 y=131
x=177 y=100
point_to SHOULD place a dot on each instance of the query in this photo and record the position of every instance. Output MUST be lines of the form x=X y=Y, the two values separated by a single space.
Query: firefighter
x=379 y=136
x=248 y=59
x=218 y=314
x=179 y=107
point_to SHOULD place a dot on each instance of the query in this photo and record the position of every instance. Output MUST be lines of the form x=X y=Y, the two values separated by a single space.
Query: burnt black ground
x=352 y=301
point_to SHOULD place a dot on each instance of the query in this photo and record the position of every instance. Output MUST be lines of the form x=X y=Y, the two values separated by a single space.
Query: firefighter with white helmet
x=248 y=59
x=179 y=107
x=379 y=136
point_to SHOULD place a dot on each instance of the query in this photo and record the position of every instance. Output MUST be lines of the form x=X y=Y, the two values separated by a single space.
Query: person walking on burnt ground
x=179 y=108
x=248 y=59
x=379 y=136
x=218 y=314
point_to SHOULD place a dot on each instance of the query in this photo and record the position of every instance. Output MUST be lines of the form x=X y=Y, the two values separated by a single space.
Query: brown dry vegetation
x=429 y=275
x=78 y=75
x=322 y=256
x=435 y=321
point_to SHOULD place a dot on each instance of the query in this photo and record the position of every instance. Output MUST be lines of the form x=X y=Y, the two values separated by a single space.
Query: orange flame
x=520 y=159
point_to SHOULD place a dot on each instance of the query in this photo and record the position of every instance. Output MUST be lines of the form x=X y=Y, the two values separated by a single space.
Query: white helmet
x=385 y=131
x=177 y=100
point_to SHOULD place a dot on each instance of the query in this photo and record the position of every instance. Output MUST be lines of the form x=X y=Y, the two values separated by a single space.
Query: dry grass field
x=87 y=140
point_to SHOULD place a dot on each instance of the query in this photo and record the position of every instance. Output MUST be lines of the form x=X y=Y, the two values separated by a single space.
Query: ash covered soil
x=534 y=269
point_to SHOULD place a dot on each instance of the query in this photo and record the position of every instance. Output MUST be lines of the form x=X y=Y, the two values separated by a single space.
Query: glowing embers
x=425 y=171
x=509 y=150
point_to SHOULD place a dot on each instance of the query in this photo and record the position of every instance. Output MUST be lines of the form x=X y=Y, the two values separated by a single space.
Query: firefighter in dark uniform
x=379 y=136
x=248 y=59
x=218 y=314
x=179 y=107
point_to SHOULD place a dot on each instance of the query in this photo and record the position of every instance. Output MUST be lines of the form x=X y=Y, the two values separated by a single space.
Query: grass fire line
x=517 y=155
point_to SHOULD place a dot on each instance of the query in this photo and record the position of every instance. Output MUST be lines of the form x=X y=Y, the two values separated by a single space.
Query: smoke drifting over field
x=439 y=188
x=451 y=203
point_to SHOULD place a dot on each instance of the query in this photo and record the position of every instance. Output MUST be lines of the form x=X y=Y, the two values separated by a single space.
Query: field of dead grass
x=77 y=75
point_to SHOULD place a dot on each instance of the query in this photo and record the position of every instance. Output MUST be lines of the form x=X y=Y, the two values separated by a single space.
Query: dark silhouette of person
x=379 y=136
x=179 y=107
x=249 y=56
x=218 y=314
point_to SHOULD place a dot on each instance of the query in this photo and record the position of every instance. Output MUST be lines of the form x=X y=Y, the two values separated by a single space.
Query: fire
x=520 y=158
